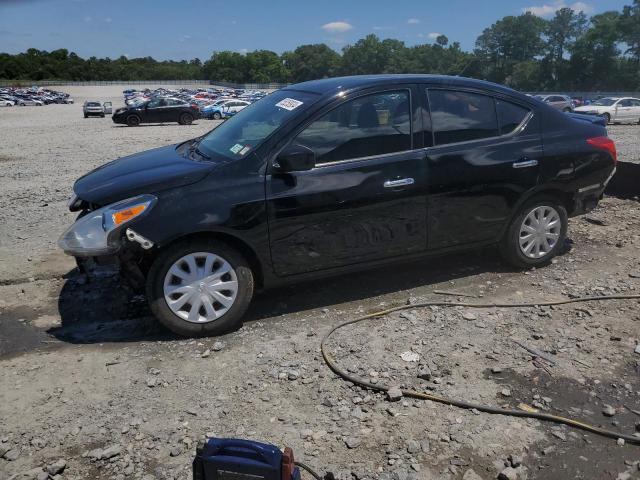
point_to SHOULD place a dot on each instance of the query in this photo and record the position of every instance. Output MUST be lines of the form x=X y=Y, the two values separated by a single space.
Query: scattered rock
x=206 y=353
x=12 y=454
x=217 y=346
x=495 y=370
x=471 y=475
x=394 y=394
x=608 y=411
x=469 y=316
x=410 y=356
x=505 y=392
x=57 y=467
x=508 y=473
x=353 y=442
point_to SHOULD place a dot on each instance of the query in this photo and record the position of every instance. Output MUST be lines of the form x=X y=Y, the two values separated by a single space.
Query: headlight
x=91 y=235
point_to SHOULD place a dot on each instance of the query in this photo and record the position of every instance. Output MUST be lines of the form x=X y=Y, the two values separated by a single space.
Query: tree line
x=569 y=51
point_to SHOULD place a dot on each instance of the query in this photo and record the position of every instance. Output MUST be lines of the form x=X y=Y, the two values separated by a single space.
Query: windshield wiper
x=194 y=148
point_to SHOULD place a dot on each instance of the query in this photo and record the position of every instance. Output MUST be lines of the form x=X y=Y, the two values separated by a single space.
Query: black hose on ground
x=526 y=413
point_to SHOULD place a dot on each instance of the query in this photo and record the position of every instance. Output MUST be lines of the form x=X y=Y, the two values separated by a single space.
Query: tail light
x=193 y=105
x=606 y=144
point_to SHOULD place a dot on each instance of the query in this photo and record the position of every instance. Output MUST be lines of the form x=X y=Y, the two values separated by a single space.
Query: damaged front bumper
x=98 y=232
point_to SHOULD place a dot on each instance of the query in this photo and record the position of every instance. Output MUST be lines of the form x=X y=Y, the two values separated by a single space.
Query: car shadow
x=104 y=309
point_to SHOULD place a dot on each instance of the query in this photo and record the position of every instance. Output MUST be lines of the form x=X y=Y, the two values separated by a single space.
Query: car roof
x=338 y=84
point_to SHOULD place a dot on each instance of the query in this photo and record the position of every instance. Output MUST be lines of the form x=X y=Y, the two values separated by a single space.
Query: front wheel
x=200 y=288
x=217 y=115
x=185 y=119
x=133 y=120
x=607 y=118
x=536 y=234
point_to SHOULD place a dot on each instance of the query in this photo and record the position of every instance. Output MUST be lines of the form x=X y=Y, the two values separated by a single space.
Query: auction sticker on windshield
x=236 y=148
x=289 y=103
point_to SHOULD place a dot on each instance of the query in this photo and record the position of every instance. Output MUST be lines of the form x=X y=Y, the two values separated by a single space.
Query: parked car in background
x=614 y=110
x=93 y=109
x=225 y=108
x=157 y=110
x=24 y=101
x=336 y=175
x=559 y=102
x=6 y=103
x=108 y=107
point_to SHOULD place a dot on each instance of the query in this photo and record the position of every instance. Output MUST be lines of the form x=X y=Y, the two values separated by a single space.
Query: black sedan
x=157 y=110
x=336 y=175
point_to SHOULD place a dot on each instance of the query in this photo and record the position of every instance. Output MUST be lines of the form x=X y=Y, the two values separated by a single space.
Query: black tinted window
x=371 y=125
x=510 y=116
x=461 y=116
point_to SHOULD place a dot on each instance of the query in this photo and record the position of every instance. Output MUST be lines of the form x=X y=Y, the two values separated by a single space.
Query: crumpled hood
x=145 y=172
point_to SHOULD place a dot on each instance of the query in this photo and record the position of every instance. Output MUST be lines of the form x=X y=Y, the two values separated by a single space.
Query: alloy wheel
x=539 y=232
x=200 y=287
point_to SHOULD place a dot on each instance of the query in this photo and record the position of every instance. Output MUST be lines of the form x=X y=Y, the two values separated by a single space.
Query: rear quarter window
x=462 y=116
x=510 y=116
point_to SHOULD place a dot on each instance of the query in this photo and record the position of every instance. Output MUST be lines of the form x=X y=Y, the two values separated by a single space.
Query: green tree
x=369 y=55
x=509 y=41
x=629 y=25
x=594 y=62
x=562 y=31
x=308 y=62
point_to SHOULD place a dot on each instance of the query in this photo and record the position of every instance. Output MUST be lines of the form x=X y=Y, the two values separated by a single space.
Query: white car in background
x=614 y=109
x=6 y=103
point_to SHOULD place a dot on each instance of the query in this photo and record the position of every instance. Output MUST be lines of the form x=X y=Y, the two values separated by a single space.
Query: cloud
x=413 y=21
x=184 y=38
x=547 y=10
x=337 y=27
x=434 y=35
x=243 y=51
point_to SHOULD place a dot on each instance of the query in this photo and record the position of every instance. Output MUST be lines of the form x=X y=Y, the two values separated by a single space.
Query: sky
x=170 y=29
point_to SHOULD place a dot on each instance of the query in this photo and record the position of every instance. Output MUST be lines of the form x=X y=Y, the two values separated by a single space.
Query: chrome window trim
x=513 y=133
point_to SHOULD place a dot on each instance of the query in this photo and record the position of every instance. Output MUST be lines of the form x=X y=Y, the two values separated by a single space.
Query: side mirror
x=295 y=158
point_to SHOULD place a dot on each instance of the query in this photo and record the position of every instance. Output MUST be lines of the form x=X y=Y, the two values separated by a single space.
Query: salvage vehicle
x=93 y=109
x=333 y=176
x=614 y=110
x=157 y=110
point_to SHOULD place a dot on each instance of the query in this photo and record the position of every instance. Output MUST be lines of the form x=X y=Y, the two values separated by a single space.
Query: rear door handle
x=525 y=163
x=398 y=183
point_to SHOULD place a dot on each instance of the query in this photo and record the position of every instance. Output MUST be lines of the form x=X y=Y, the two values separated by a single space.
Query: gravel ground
x=91 y=387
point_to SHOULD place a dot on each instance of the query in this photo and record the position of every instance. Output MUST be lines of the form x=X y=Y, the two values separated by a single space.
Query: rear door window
x=370 y=125
x=461 y=116
x=510 y=116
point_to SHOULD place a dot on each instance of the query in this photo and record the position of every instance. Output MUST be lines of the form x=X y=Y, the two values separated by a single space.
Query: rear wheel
x=536 y=234
x=200 y=288
x=217 y=115
x=185 y=119
x=86 y=116
x=566 y=110
x=133 y=120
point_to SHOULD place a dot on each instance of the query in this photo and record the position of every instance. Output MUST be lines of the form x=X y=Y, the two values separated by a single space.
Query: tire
x=133 y=120
x=159 y=278
x=513 y=249
x=102 y=116
x=185 y=119
x=566 y=110
x=607 y=118
x=217 y=115
x=86 y=116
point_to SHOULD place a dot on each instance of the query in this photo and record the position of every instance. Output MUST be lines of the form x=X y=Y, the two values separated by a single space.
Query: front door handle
x=525 y=163
x=398 y=183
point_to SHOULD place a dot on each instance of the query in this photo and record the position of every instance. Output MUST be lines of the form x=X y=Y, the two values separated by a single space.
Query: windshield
x=605 y=102
x=246 y=130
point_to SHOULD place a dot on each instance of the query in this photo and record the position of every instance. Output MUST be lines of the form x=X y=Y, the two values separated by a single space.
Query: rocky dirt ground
x=92 y=388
